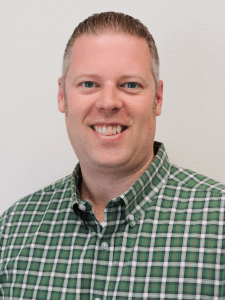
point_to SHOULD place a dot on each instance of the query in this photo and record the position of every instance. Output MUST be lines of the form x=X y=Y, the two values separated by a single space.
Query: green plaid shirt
x=163 y=239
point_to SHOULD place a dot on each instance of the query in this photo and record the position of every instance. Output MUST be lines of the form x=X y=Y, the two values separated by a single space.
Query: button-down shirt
x=163 y=239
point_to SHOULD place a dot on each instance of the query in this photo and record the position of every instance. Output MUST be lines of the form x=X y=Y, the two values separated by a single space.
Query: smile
x=109 y=130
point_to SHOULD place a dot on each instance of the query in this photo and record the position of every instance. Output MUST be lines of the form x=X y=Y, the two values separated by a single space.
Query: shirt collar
x=138 y=197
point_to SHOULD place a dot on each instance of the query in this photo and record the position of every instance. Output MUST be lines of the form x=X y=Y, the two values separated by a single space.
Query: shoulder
x=193 y=180
x=37 y=201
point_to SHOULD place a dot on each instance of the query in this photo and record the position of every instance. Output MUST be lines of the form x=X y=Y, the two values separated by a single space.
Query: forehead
x=110 y=50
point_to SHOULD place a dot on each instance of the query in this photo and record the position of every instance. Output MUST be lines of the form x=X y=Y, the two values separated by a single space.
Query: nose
x=108 y=100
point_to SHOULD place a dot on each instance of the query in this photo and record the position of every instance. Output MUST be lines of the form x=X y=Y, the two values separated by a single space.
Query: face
x=111 y=101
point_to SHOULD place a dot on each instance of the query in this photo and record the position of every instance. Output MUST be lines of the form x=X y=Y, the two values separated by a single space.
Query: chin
x=111 y=163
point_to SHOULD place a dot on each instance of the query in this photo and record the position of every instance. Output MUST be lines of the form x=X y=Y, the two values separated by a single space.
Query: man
x=127 y=224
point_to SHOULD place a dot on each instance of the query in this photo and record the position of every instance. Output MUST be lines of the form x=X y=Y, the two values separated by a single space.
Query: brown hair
x=117 y=22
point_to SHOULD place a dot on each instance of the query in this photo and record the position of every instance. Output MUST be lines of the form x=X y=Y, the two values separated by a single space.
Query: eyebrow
x=97 y=76
x=85 y=75
x=133 y=75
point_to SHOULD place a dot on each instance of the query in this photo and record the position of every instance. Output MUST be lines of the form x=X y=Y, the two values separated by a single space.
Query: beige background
x=190 y=35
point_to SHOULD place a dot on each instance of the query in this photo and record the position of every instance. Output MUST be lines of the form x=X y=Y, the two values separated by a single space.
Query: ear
x=159 y=98
x=61 y=104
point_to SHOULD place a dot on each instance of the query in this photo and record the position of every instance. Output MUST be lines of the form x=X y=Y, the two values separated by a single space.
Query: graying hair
x=100 y=23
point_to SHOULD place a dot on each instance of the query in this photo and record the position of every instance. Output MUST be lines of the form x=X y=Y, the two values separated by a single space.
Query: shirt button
x=131 y=217
x=105 y=246
x=82 y=207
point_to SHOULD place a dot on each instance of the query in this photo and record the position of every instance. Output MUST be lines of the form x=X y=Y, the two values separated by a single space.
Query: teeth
x=118 y=129
x=104 y=130
x=111 y=130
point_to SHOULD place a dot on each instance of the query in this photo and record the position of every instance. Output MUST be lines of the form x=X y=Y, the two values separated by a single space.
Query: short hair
x=111 y=21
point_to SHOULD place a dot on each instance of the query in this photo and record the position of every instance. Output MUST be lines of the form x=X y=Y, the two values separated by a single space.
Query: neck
x=99 y=186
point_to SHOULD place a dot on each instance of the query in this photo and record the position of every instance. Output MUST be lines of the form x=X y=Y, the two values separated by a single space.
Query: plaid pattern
x=164 y=239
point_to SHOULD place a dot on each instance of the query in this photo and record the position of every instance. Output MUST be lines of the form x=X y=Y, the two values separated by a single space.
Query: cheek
x=145 y=115
x=149 y=125
x=79 y=107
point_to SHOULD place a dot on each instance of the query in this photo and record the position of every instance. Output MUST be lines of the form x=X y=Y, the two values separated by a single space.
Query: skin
x=100 y=89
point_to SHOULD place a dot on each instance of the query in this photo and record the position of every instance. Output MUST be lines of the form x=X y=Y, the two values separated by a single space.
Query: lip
x=108 y=124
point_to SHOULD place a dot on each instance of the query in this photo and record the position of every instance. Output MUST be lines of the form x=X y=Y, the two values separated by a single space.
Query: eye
x=88 y=84
x=132 y=85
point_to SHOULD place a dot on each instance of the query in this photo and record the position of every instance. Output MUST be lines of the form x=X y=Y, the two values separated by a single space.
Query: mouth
x=109 y=129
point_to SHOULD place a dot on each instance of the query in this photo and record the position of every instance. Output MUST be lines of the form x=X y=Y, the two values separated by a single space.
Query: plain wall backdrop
x=35 y=150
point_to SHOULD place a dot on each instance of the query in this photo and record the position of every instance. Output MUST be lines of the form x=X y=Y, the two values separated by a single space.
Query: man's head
x=112 y=22
x=111 y=101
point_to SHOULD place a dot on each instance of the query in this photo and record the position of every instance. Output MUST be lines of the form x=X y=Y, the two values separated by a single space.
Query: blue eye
x=132 y=85
x=88 y=84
